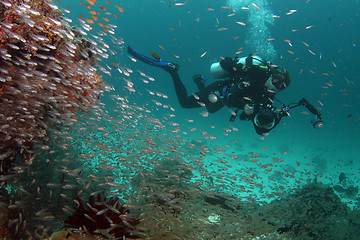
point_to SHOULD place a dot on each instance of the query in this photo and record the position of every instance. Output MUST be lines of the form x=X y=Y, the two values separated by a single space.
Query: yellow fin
x=114 y=64
x=155 y=55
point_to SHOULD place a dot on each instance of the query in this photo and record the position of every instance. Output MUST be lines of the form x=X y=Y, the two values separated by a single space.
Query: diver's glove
x=229 y=65
x=249 y=108
x=199 y=81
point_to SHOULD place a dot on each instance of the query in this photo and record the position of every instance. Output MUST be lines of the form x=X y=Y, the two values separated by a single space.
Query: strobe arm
x=317 y=122
x=309 y=107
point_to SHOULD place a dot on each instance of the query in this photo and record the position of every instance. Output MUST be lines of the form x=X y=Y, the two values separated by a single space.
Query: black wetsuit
x=246 y=88
x=243 y=88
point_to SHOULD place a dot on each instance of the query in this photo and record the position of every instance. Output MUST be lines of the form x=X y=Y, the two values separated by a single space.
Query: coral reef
x=45 y=73
x=68 y=235
x=312 y=212
x=106 y=217
x=4 y=214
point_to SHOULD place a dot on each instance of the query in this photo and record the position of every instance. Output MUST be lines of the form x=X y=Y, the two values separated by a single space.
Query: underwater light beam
x=260 y=17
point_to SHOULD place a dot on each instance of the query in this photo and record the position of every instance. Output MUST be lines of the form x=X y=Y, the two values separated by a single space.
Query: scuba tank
x=218 y=72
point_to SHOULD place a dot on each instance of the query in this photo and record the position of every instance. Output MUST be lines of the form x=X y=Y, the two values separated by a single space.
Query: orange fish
x=102 y=8
x=93 y=12
x=105 y=19
x=94 y=17
x=91 y=2
x=89 y=20
x=119 y=8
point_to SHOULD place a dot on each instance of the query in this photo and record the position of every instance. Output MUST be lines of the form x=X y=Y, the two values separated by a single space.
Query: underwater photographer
x=248 y=84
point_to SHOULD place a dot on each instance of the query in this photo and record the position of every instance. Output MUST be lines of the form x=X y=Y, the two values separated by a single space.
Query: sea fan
x=106 y=217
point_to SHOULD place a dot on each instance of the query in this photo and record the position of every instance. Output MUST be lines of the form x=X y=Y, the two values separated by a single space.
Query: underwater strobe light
x=317 y=122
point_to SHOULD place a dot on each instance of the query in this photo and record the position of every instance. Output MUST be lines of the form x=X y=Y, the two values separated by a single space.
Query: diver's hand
x=284 y=112
x=249 y=109
x=228 y=64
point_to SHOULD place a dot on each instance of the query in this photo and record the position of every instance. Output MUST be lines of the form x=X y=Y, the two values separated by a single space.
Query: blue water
x=189 y=30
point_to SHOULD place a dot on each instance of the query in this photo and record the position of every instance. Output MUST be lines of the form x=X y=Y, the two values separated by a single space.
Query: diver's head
x=278 y=80
x=265 y=118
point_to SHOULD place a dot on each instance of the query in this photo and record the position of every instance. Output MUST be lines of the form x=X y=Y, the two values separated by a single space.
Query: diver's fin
x=141 y=57
x=171 y=68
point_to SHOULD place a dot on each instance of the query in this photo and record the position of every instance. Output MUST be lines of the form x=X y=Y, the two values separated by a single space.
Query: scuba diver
x=247 y=83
